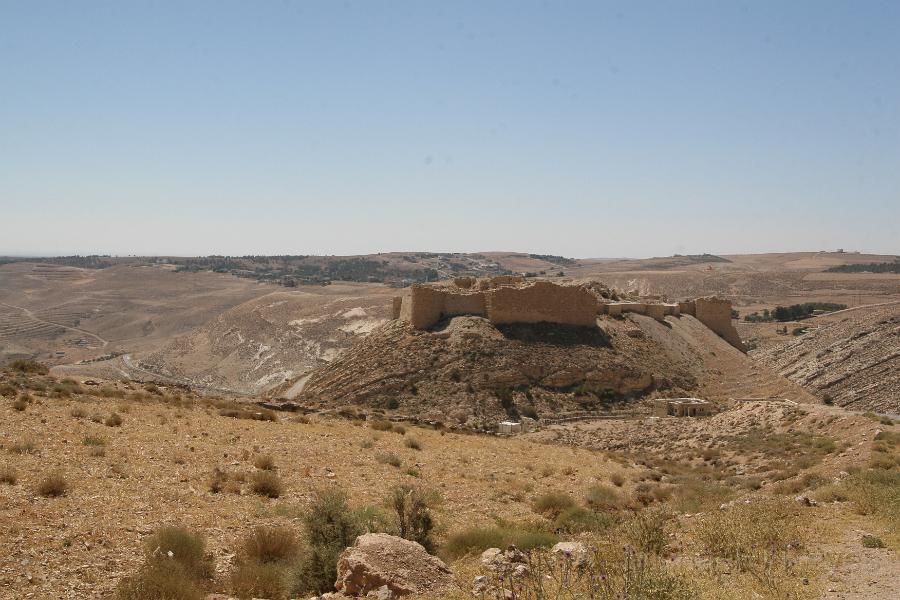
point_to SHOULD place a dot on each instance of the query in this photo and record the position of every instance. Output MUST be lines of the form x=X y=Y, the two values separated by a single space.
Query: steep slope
x=471 y=372
x=853 y=356
x=268 y=341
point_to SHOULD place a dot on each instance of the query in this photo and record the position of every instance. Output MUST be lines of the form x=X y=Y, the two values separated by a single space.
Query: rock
x=382 y=593
x=514 y=555
x=379 y=560
x=492 y=558
x=806 y=501
x=521 y=571
x=570 y=551
x=480 y=584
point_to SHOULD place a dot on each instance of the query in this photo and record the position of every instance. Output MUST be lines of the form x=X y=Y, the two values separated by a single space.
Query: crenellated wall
x=507 y=303
x=464 y=304
x=508 y=300
x=542 y=301
x=426 y=305
x=465 y=283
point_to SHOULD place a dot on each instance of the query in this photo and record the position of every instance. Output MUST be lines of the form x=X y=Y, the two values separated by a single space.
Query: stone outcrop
x=377 y=560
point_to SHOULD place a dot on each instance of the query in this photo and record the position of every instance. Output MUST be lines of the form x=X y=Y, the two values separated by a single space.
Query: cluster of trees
x=705 y=257
x=885 y=267
x=794 y=312
x=93 y=261
x=552 y=258
x=297 y=269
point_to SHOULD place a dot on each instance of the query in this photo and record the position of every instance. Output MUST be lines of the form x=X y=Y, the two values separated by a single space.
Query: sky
x=584 y=129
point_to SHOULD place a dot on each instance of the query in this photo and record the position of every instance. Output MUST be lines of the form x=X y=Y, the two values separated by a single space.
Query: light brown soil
x=158 y=464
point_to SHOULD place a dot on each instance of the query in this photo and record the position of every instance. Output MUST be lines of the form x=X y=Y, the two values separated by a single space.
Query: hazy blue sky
x=577 y=128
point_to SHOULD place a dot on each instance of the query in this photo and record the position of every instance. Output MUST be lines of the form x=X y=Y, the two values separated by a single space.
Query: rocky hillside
x=471 y=372
x=268 y=342
x=852 y=356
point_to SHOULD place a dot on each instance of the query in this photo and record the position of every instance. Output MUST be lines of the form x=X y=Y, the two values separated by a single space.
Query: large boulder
x=378 y=559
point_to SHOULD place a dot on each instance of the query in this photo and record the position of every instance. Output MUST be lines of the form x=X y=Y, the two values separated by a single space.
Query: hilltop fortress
x=513 y=299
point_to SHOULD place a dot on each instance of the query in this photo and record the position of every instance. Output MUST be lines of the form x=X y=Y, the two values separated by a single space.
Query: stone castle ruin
x=505 y=299
x=513 y=299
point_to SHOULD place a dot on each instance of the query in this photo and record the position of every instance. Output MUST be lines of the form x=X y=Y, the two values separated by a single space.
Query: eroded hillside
x=271 y=341
x=468 y=371
x=851 y=357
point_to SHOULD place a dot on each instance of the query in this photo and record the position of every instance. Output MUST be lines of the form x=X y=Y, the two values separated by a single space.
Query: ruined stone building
x=500 y=300
x=681 y=407
x=513 y=299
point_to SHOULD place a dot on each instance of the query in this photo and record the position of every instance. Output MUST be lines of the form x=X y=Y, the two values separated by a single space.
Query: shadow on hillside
x=556 y=334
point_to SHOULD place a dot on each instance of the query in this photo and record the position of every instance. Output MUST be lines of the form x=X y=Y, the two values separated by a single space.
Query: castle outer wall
x=542 y=301
x=715 y=313
x=509 y=301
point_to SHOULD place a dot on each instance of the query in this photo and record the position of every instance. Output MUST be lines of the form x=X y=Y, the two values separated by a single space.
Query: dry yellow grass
x=92 y=536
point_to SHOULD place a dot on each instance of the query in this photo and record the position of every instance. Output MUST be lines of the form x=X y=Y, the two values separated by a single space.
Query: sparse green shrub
x=253 y=579
x=388 y=458
x=603 y=498
x=552 y=504
x=474 y=540
x=28 y=367
x=53 y=485
x=175 y=566
x=159 y=582
x=113 y=420
x=264 y=462
x=398 y=428
x=108 y=391
x=8 y=475
x=177 y=545
x=78 y=413
x=266 y=483
x=577 y=519
x=871 y=541
x=26 y=446
x=412 y=505
x=330 y=527
x=271 y=545
x=646 y=531
x=239 y=412
x=65 y=388
x=744 y=529
x=219 y=481
x=381 y=425
x=413 y=443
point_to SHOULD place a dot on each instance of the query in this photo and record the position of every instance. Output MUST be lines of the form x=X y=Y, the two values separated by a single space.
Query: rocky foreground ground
x=92 y=474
